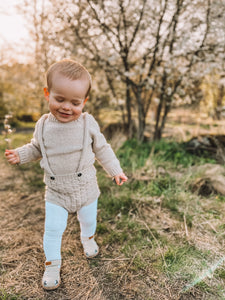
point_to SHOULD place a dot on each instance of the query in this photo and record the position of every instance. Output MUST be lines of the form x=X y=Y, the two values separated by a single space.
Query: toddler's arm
x=105 y=154
x=12 y=156
x=31 y=151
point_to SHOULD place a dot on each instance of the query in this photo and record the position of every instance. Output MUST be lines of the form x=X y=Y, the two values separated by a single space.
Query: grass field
x=158 y=239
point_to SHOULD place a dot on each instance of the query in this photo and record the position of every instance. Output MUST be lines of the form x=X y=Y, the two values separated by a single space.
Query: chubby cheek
x=77 y=110
x=54 y=105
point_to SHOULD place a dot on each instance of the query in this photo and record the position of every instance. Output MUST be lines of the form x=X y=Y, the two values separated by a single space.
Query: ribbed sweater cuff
x=113 y=170
x=22 y=154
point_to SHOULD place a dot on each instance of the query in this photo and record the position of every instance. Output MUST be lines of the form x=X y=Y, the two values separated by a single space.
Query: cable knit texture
x=68 y=152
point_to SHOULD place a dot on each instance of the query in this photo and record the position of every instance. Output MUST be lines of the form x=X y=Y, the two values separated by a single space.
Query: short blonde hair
x=70 y=69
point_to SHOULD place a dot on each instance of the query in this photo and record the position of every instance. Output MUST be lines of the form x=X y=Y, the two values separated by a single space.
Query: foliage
x=133 y=154
x=20 y=93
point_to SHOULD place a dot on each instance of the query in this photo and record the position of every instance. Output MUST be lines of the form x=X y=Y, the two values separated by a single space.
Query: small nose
x=66 y=106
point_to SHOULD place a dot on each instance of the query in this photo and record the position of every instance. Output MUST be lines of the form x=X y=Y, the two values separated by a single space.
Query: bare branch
x=122 y=10
x=104 y=27
x=138 y=24
x=205 y=34
x=158 y=37
x=175 y=22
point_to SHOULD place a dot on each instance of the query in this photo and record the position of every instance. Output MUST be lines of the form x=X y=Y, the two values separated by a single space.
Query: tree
x=43 y=54
x=146 y=49
x=18 y=88
x=143 y=44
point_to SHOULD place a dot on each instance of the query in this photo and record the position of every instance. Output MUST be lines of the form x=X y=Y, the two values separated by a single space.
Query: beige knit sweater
x=68 y=152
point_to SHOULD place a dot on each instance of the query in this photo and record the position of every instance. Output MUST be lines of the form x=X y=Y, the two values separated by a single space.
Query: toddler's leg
x=55 y=225
x=87 y=217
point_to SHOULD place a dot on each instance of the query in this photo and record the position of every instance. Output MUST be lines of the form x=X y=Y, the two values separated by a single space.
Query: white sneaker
x=51 y=278
x=91 y=248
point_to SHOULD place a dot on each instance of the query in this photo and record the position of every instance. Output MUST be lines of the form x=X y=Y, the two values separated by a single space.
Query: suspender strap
x=85 y=142
x=40 y=138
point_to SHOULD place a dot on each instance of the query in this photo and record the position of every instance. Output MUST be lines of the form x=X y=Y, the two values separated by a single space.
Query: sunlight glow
x=208 y=273
x=13 y=31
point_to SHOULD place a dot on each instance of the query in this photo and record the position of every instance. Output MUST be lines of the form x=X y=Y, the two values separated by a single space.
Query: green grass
x=134 y=155
x=32 y=172
x=186 y=259
x=6 y=296
x=162 y=185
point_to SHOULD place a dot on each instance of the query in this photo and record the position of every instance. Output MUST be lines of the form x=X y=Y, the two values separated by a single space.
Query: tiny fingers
x=122 y=181
x=119 y=180
x=12 y=157
x=12 y=160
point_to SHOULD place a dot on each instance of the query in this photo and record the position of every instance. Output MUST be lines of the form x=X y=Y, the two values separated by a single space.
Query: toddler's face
x=67 y=98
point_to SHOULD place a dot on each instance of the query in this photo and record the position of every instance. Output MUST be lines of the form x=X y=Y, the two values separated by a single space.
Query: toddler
x=68 y=141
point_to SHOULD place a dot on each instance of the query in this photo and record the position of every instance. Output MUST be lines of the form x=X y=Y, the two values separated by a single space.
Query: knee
x=59 y=226
x=88 y=214
x=55 y=218
x=87 y=222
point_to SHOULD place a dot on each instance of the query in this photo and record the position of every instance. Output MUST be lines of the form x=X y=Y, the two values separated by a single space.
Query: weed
x=139 y=263
x=36 y=179
x=93 y=263
x=102 y=228
x=5 y=296
x=161 y=185
x=116 y=237
x=113 y=202
x=203 y=286
x=220 y=198
x=185 y=261
x=220 y=273
x=133 y=154
x=177 y=154
x=205 y=126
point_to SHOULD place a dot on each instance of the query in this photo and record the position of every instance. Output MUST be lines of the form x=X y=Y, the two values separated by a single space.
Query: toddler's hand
x=120 y=179
x=12 y=156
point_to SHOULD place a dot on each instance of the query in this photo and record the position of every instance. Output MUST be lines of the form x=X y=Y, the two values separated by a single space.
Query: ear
x=85 y=101
x=46 y=93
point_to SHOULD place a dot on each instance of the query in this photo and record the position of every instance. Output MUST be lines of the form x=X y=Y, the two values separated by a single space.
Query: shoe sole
x=51 y=288
x=92 y=255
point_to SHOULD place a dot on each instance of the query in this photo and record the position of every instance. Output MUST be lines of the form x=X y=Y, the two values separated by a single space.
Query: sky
x=13 y=30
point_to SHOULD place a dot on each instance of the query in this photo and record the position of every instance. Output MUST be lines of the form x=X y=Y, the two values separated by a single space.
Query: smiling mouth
x=64 y=114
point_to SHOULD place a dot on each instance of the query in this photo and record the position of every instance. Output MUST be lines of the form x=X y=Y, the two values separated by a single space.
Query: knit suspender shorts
x=71 y=191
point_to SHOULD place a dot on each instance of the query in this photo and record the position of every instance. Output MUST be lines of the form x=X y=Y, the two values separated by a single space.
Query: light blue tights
x=56 y=222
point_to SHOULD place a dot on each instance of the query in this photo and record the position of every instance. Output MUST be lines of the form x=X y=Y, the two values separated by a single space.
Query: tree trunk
x=141 y=116
x=166 y=111
x=128 y=109
x=157 y=131
x=219 y=101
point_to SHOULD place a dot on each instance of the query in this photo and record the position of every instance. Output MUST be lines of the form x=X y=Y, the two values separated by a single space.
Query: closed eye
x=59 y=99
x=76 y=103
